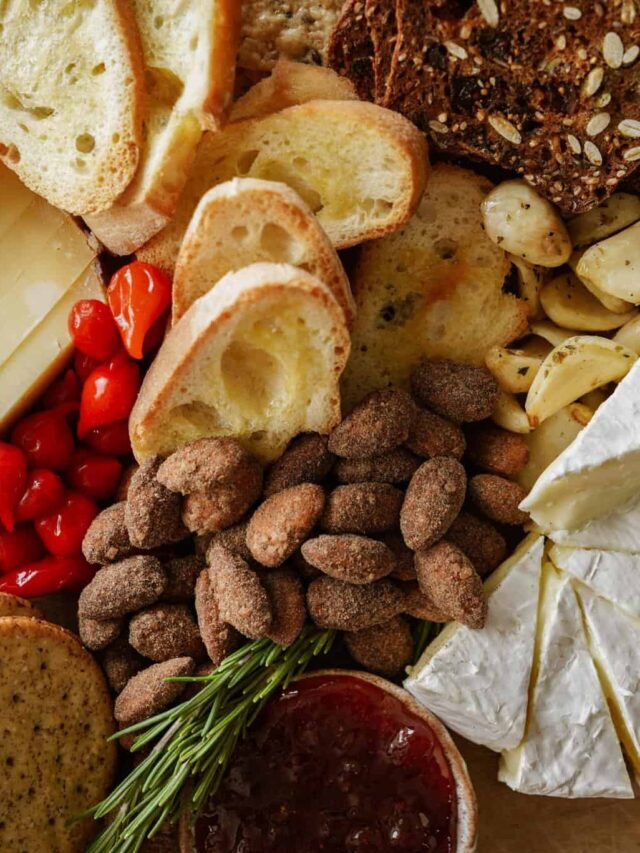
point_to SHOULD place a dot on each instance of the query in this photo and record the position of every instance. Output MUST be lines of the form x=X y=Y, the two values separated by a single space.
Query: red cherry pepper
x=84 y=365
x=93 y=329
x=19 y=548
x=46 y=439
x=63 y=531
x=138 y=295
x=13 y=480
x=94 y=475
x=52 y=574
x=64 y=390
x=113 y=439
x=42 y=496
x=108 y=394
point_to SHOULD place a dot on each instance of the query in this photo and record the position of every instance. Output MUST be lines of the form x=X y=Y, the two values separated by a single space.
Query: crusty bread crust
x=319 y=129
x=188 y=342
x=208 y=243
x=169 y=152
x=292 y=83
x=46 y=164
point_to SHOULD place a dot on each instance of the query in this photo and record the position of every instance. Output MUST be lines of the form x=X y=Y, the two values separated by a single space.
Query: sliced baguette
x=292 y=83
x=247 y=220
x=259 y=357
x=189 y=52
x=71 y=94
x=360 y=168
x=434 y=288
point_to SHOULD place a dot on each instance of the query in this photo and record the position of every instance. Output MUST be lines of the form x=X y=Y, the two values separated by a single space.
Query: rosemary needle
x=194 y=741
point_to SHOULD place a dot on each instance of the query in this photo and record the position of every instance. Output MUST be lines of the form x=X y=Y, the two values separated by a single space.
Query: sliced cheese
x=570 y=747
x=43 y=352
x=599 y=471
x=45 y=255
x=619 y=531
x=477 y=681
x=611 y=574
x=615 y=645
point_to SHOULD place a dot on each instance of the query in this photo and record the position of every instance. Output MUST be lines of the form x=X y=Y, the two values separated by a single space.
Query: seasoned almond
x=397 y=466
x=456 y=391
x=404 y=569
x=380 y=423
x=182 y=573
x=362 y=508
x=165 y=631
x=282 y=523
x=348 y=557
x=96 y=635
x=120 y=663
x=220 y=507
x=152 y=512
x=419 y=605
x=386 y=648
x=107 y=538
x=219 y=638
x=149 y=692
x=204 y=463
x=433 y=500
x=499 y=499
x=449 y=580
x=352 y=607
x=432 y=436
x=496 y=450
x=287 y=604
x=480 y=541
x=242 y=599
x=306 y=460
x=123 y=588
x=234 y=538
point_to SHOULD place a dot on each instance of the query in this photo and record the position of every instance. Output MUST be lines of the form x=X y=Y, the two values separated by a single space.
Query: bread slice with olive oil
x=259 y=357
x=189 y=54
x=244 y=221
x=71 y=97
x=360 y=168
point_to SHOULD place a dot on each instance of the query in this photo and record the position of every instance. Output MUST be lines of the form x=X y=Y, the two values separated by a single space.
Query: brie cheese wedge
x=599 y=471
x=619 y=531
x=615 y=646
x=610 y=574
x=476 y=681
x=570 y=747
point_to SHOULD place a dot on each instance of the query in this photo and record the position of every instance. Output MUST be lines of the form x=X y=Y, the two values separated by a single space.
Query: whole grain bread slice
x=360 y=168
x=351 y=49
x=546 y=90
x=246 y=221
x=383 y=31
x=71 y=100
x=189 y=53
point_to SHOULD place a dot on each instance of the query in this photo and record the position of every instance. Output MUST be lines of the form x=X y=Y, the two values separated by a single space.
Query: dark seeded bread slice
x=383 y=31
x=350 y=50
x=522 y=94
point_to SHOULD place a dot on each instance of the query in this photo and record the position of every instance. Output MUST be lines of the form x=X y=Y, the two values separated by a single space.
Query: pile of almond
x=357 y=530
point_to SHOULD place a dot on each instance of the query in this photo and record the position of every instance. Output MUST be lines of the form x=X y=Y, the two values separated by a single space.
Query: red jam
x=334 y=764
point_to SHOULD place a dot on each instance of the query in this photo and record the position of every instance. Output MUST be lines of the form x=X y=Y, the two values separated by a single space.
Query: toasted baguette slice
x=244 y=221
x=189 y=51
x=71 y=104
x=258 y=357
x=434 y=288
x=292 y=83
x=360 y=168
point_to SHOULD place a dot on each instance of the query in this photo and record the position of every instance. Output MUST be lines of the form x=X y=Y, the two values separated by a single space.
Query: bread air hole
x=85 y=143
x=253 y=379
x=280 y=245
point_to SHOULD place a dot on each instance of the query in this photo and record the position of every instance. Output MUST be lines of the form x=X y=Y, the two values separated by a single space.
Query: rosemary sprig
x=424 y=633
x=194 y=741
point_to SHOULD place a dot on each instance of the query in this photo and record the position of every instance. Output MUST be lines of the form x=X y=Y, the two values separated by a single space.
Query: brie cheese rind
x=599 y=471
x=476 y=681
x=610 y=574
x=619 y=531
x=570 y=747
x=614 y=639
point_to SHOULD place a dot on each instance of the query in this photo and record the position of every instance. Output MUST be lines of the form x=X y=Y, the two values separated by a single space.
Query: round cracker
x=13 y=605
x=56 y=716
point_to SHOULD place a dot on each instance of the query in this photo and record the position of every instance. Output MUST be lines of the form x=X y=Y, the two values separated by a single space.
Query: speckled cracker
x=13 y=605
x=56 y=716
